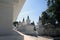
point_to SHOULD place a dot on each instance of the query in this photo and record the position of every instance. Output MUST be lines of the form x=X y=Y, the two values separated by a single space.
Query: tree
x=33 y=23
x=53 y=7
x=44 y=17
x=15 y=23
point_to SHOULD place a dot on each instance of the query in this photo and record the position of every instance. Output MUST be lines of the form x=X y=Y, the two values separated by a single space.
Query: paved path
x=27 y=37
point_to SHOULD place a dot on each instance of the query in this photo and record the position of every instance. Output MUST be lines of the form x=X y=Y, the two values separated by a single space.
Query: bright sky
x=33 y=9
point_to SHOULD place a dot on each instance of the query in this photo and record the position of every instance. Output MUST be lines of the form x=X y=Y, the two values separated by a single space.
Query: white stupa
x=28 y=20
x=26 y=27
x=39 y=26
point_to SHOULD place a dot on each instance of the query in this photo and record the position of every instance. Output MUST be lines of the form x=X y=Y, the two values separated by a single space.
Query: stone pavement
x=13 y=36
x=27 y=37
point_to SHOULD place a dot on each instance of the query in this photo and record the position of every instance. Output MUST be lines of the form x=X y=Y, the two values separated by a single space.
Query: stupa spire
x=28 y=20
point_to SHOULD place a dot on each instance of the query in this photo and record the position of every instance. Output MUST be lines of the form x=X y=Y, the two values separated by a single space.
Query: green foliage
x=33 y=23
x=15 y=23
x=44 y=18
x=53 y=7
x=51 y=15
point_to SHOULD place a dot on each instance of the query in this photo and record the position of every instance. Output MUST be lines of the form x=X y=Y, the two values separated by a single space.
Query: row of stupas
x=28 y=21
x=28 y=27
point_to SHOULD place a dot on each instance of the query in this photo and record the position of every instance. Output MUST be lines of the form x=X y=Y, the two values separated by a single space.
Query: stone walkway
x=27 y=37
